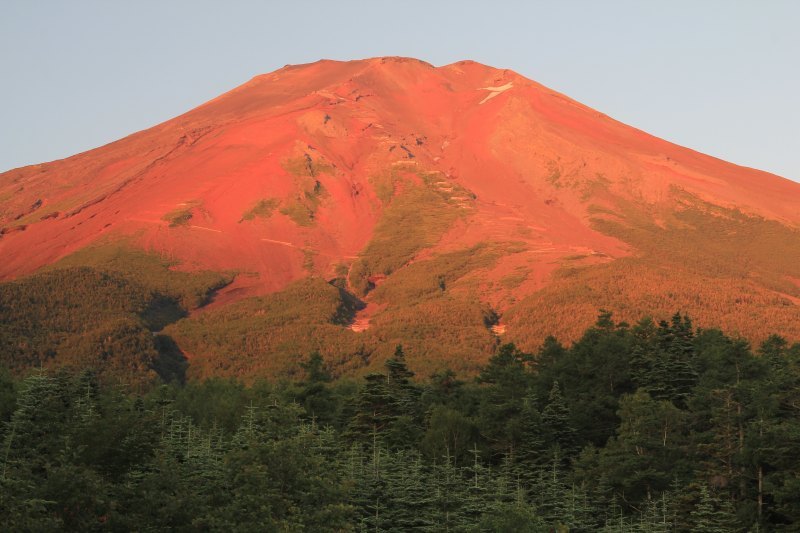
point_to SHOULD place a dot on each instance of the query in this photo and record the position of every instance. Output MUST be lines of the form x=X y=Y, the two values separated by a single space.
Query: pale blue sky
x=722 y=77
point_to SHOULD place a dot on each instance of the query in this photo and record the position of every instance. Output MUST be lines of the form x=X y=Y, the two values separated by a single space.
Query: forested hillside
x=645 y=427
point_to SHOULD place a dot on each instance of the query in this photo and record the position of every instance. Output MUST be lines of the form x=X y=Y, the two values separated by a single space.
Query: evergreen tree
x=315 y=369
x=662 y=359
x=479 y=495
x=551 y=493
x=725 y=404
x=506 y=380
x=449 y=431
x=449 y=490
x=513 y=516
x=406 y=430
x=444 y=388
x=557 y=424
x=29 y=446
x=410 y=500
x=772 y=435
x=593 y=375
x=648 y=451
x=645 y=352
x=315 y=395
x=376 y=410
x=712 y=515
x=398 y=375
x=531 y=453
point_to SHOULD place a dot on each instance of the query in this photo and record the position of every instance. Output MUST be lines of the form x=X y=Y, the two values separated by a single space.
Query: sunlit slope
x=456 y=203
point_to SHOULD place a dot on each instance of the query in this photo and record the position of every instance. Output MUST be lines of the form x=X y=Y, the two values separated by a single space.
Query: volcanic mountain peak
x=382 y=171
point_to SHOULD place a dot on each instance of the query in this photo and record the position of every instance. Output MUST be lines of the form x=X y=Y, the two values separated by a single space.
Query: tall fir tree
x=557 y=426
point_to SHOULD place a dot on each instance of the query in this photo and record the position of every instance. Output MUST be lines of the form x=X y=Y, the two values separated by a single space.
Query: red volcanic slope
x=532 y=157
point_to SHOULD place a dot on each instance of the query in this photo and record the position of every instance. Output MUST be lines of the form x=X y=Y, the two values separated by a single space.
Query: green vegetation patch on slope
x=385 y=183
x=442 y=332
x=433 y=310
x=302 y=209
x=263 y=208
x=514 y=280
x=180 y=216
x=300 y=213
x=189 y=289
x=416 y=218
x=97 y=309
x=712 y=241
x=634 y=287
x=308 y=166
x=432 y=277
x=305 y=170
x=265 y=335
x=724 y=267
x=79 y=318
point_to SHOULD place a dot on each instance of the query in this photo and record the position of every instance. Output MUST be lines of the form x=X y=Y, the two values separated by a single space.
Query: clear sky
x=719 y=76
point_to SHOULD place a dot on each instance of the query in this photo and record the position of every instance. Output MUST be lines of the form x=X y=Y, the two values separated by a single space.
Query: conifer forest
x=657 y=426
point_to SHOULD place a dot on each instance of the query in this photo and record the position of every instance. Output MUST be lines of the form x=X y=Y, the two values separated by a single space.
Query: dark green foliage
x=314 y=394
x=97 y=309
x=506 y=381
x=376 y=411
x=513 y=517
x=69 y=310
x=449 y=431
x=8 y=395
x=663 y=359
x=592 y=375
x=506 y=452
x=556 y=424
x=712 y=514
x=646 y=453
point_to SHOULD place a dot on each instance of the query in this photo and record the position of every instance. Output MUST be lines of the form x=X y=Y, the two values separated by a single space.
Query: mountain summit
x=422 y=191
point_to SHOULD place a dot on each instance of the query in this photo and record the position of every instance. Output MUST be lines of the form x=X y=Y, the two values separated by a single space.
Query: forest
x=655 y=426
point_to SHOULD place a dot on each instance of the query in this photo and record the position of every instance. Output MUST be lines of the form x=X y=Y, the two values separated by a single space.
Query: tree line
x=645 y=427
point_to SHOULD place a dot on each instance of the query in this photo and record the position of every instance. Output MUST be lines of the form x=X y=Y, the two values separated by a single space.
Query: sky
x=718 y=76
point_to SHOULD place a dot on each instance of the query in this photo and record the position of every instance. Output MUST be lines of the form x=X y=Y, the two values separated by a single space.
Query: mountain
x=350 y=206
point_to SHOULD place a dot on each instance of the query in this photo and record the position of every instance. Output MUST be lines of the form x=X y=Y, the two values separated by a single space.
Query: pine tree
x=449 y=496
x=551 y=500
x=315 y=369
x=662 y=359
x=479 y=495
x=406 y=429
x=506 y=380
x=398 y=375
x=315 y=395
x=30 y=443
x=410 y=499
x=680 y=359
x=531 y=453
x=712 y=515
x=647 y=452
x=646 y=353
x=376 y=410
x=557 y=425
